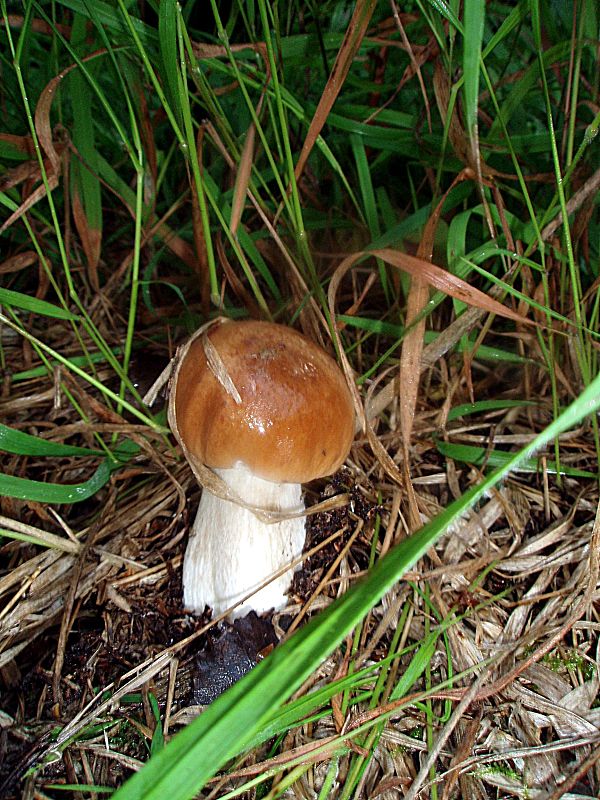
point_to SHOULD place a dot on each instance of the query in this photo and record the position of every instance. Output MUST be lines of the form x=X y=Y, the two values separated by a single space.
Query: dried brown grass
x=88 y=623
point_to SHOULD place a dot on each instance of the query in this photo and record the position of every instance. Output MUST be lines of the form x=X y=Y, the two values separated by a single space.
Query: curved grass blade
x=33 y=304
x=40 y=492
x=106 y=15
x=24 y=444
x=483 y=406
x=497 y=458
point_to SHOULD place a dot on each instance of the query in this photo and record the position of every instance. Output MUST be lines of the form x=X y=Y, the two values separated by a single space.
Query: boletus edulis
x=266 y=410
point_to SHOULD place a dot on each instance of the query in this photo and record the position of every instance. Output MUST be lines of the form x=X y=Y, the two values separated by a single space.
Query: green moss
x=570 y=660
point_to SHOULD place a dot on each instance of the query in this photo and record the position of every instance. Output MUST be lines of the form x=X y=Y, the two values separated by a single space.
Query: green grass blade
x=40 y=492
x=523 y=89
x=482 y=406
x=44 y=539
x=446 y=11
x=474 y=18
x=365 y=181
x=471 y=454
x=108 y=17
x=167 y=39
x=417 y=665
x=34 y=305
x=510 y=22
x=77 y=361
x=24 y=444
x=195 y=754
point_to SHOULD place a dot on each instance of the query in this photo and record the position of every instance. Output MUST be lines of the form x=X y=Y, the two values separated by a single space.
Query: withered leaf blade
x=355 y=33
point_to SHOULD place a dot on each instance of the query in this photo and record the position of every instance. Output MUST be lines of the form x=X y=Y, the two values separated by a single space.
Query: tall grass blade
x=474 y=18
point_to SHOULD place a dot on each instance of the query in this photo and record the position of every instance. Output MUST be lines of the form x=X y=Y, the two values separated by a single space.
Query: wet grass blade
x=474 y=18
x=33 y=304
x=497 y=458
x=24 y=444
x=483 y=406
x=40 y=492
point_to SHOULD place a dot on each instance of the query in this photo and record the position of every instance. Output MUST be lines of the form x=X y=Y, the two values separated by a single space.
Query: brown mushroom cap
x=295 y=421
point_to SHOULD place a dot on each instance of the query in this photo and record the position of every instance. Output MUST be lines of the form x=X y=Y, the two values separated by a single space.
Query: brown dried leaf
x=445 y=282
x=42 y=112
x=412 y=346
x=410 y=361
x=39 y=25
x=236 y=285
x=435 y=276
x=242 y=177
x=18 y=262
x=147 y=126
x=29 y=170
x=355 y=33
x=219 y=50
x=91 y=238
x=200 y=265
x=176 y=244
x=24 y=144
x=466 y=734
x=33 y=198
x=456 y=133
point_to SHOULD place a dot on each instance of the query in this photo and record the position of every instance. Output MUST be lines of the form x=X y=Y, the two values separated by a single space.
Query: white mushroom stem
x=231 y=552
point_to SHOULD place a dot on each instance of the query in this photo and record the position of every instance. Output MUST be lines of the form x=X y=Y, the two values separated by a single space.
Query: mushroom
x=266 y=410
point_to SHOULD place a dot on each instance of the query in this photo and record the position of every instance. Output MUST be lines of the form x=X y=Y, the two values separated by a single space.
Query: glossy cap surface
x=295 y=418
